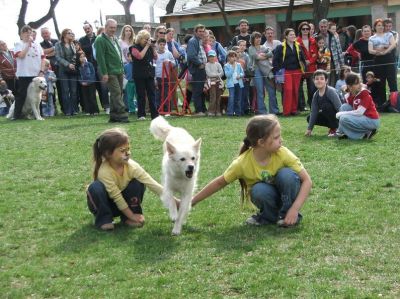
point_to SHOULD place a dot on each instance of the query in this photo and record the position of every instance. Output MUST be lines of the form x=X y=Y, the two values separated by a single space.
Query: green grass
x=346 y=247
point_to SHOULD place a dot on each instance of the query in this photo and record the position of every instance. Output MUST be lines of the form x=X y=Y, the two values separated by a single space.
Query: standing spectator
x=143 y=53
x=67 y=72
x=109 y=60
x=234 y=82
x=87 y=78
x=360 y=47
x=259 y=61
x=325 y=104
x=333 y=44
x=270 y=41
x=243 y=34
x=87 y=47
x=290 y=57
x=160 y=31
x=51 y=78
x=214 y=73
x=388 y=24
x=381 y=44
x=130 y=97
x=49 y=50
x=309 y=47
x=126 y=40
x=244 y=60
x=30 y=61
x=147 y=27
x=324 y=56
x=8 y=67
x=197 y=60
x=312 y=29
x=164 y=58
x=219 y=49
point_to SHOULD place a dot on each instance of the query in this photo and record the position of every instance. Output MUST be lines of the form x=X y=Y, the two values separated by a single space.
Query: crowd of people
x=138 y=72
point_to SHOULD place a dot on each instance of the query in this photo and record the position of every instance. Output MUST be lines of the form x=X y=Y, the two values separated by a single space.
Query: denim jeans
x=48 y=107
x=259 y=84
x=274 y=200
x=69 y=92
x=234 y=104
x=355 y=127
x=103 y=207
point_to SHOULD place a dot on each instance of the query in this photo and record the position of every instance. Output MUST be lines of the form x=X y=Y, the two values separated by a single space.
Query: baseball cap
x=211 y=53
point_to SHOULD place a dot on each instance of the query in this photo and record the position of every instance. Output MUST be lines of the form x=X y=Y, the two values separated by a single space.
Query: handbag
x=280 y=76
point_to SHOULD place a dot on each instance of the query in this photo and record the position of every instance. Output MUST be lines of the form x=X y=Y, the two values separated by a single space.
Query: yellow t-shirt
x=246 y=167
x=116 y=183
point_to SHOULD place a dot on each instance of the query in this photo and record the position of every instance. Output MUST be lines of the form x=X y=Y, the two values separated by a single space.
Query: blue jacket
x=229 y=73
x=87 y=73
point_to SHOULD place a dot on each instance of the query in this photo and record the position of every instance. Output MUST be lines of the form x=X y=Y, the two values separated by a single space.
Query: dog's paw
x=176 y=232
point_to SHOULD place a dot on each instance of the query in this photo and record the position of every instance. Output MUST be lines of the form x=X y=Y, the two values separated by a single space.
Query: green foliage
x=346 y=247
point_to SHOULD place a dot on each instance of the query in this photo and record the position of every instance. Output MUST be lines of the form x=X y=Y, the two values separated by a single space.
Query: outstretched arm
x=215 y=185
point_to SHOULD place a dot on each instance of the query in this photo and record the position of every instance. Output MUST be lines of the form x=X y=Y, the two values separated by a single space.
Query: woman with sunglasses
x=309 y=47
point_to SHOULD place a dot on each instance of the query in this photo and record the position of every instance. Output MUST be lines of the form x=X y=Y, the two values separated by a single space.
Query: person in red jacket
x=309 y=47
x=8 y=66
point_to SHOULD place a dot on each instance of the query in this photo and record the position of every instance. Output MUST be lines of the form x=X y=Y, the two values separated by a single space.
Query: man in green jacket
x=109 y=61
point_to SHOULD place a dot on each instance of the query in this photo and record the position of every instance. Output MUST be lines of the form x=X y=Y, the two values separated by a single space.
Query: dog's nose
x=190 y=167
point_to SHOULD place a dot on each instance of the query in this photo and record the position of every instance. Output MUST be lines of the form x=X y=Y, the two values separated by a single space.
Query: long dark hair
x=258 y=127
x=105 y=144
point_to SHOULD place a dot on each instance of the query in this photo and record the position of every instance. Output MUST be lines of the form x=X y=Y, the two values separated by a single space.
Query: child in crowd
x=244 y=60
x=324 y=106
x=119 y=182
x=234 y=82
x=214 y=73
x=6 y=98
x=340 y=85
x=323 y=54
x=375 y=88
x=164 y=58
x=48 y=100
x=87 y=79
x=358 y=118
x=269 y=173
x=130 y=87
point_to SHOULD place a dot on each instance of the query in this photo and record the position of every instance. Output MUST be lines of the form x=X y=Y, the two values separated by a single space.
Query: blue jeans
x=48 y=107
x=260 y=83
x=274 y=200
x=245 y=97
x=355 y=127
x=69 y=93
x=103 y=207
x=234 y=103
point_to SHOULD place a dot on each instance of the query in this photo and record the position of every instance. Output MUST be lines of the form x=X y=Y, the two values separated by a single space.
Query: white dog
x=180 y=166
x=31 y=106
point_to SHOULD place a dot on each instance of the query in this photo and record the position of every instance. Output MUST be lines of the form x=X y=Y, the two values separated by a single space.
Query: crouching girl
x=119 y=182
x=358 y=117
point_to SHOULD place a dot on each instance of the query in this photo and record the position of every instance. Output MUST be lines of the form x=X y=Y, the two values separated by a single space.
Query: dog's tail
x=160 y=128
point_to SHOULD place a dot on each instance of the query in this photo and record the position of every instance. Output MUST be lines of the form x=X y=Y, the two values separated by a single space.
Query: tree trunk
x=127 y=9
x=56 y=25
x=289 y=15
x=320 y=10
x=221 y=5
x=170 y=6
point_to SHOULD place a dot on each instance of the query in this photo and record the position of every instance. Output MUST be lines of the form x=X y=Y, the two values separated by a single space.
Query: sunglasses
x=162 y=32
x=305 y=29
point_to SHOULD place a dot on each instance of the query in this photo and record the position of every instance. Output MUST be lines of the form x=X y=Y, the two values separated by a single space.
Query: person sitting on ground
x=119 y=182
x=358 y=118
x=6 y=98
x=324 y=106
x=270 y=175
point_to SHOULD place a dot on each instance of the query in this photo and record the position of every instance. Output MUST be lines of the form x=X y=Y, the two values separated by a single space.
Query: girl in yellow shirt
x=269 y=173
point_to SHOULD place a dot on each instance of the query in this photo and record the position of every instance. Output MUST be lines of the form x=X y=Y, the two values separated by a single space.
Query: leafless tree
x=289 y=15
x=320 y=9
x=221 y=6
x=35 y=24
x=127 y=9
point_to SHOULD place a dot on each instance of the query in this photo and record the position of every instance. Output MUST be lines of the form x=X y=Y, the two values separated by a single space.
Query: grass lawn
x=346 y=247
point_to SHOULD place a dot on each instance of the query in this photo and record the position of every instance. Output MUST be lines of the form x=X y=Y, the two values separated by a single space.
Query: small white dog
x=180 y=166
x=31 y=106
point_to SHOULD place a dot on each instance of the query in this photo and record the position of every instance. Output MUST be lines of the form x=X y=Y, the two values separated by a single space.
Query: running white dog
x=180 y=166
x=31 y=106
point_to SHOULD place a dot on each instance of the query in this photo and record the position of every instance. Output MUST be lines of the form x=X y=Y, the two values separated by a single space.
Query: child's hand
x=291 y=217
x=237 y=77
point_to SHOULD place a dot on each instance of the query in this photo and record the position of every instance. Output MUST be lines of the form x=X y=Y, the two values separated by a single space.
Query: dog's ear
x=170 y=148
x=197 y=145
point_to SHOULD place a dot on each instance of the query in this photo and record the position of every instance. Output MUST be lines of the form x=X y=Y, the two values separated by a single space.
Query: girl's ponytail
x=97 y=158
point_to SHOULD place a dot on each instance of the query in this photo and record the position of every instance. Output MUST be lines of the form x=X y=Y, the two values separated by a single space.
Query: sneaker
x=340 y=135
x=200 y=114
x=253 y=220
x=107 y=110
x=142 y=118
x=332 y=133
x=370 y=134
x=107 y=226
